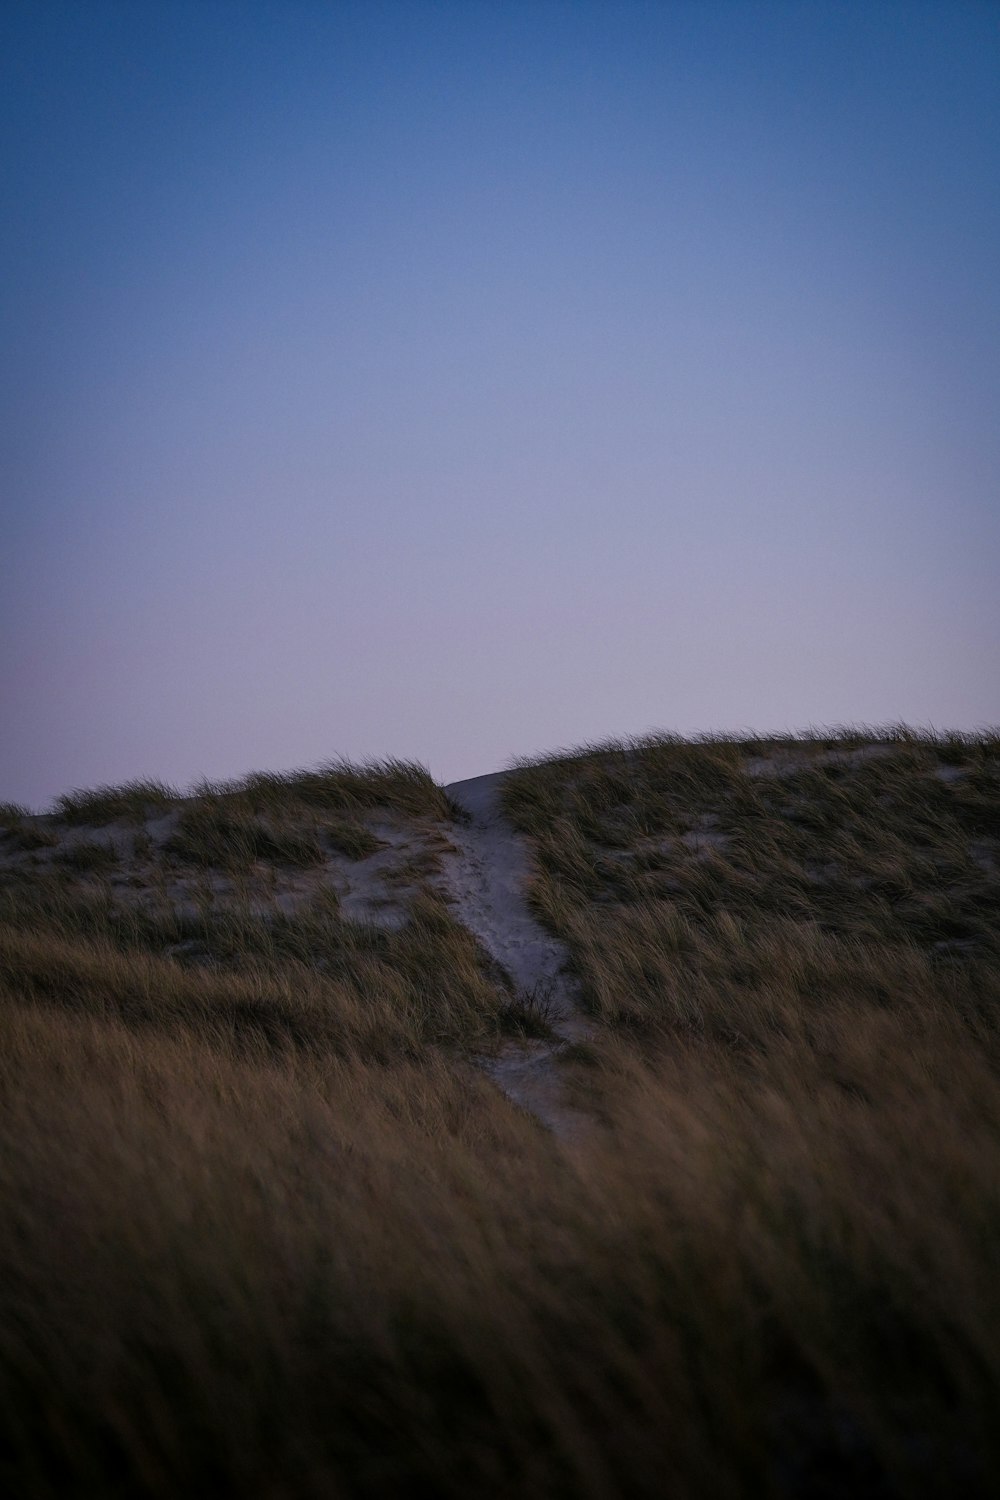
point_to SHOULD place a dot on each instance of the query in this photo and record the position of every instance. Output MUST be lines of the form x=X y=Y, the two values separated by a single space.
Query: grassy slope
x=796 y=952
x=266 y=1233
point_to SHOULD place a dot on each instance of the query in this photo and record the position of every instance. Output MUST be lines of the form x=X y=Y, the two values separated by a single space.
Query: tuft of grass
x=212 y=835
x=27 y=835
x=404 y=786
x=89 y=857
x=339 y=786
x=133 y=801
x=13 y=814
x=529 y=1012
x=350 y=837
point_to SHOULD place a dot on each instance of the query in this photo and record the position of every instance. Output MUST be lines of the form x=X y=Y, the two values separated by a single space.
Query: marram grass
x=268 y=1231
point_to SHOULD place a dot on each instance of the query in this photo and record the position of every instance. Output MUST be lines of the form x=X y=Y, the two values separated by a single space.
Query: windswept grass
x=308 y=980
x=89 y=856
x=794 y=948
x=334 y=786
x=350 y=836
x=892 y=840
x=133 y=801
x=339 y=786
x=26 y=835
x=267 y=1232
x=216 y=836
x=12 y=814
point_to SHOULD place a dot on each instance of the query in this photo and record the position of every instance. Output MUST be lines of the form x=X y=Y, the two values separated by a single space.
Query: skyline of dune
x=458 y=381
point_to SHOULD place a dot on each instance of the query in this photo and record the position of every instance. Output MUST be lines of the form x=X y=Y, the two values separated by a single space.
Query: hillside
x=626 y=1124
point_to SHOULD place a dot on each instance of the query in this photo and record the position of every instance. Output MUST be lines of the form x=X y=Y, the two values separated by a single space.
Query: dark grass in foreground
x=267 y=1233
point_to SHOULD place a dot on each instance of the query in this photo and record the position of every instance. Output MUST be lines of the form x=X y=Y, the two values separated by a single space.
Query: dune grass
x=881 y=846
x=794 y=947
x=90 y=856
x=25 y=835
x=132 y=801
x=12 y=814
x=267 y=1231
x=343 y=786
x=304 y=981
x=340 y=786
x=215 y=836
x=350 y=836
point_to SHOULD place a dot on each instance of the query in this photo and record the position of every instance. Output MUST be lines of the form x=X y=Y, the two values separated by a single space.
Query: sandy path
x=486 y=880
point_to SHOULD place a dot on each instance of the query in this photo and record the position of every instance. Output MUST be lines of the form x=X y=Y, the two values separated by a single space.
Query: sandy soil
x=486 y=881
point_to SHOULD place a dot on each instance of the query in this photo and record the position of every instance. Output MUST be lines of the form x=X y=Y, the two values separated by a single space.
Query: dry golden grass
x=267 y=1232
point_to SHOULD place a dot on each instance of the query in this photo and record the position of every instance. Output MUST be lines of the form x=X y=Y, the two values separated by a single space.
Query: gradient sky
x=460 y=380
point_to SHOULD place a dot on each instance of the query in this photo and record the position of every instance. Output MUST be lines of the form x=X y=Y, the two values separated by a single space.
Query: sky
x=462 y=380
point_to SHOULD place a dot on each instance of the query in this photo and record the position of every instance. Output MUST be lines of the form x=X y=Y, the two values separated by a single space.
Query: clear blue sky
x=458 y=380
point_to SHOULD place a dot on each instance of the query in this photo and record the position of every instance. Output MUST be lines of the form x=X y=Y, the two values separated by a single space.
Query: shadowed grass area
x=25 y=835
x=12 y=814
x=89 y=856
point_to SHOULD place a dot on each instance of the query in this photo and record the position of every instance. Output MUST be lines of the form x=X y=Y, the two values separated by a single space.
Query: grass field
x=267 y=1229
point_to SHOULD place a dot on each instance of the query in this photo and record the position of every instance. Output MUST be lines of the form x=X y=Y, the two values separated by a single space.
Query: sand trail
x=486 y=881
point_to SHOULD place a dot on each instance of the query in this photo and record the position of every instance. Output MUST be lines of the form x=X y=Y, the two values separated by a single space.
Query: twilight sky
x=453 y=380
